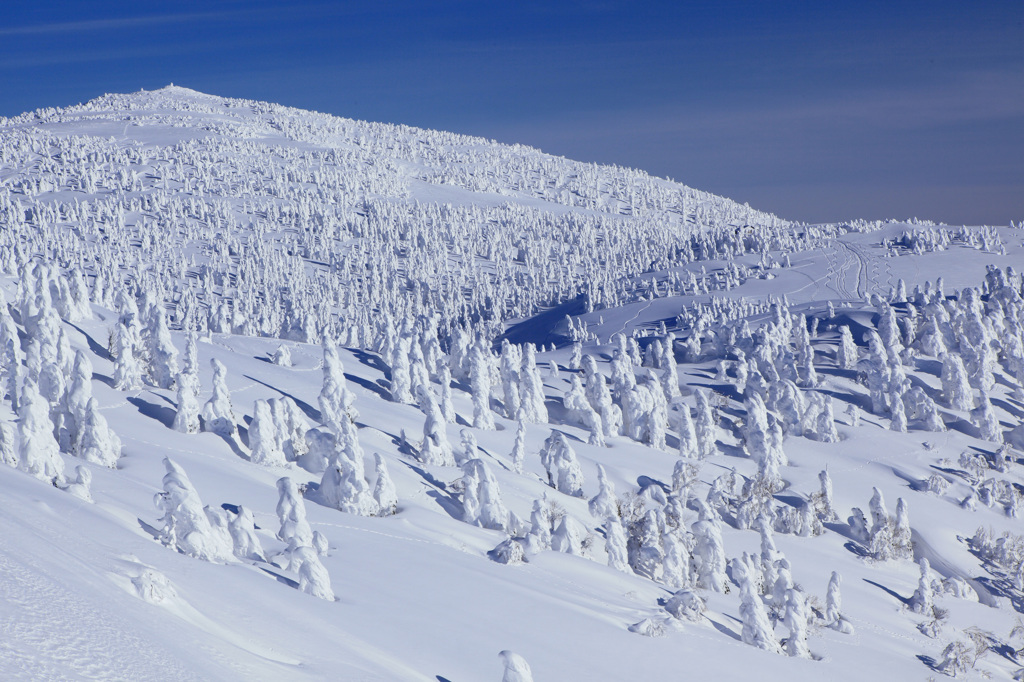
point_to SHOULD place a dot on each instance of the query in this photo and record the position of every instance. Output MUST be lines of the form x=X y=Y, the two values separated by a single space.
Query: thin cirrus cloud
x=91 y=25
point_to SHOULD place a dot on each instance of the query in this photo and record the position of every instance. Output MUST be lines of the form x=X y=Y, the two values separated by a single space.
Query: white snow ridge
x=293 y=397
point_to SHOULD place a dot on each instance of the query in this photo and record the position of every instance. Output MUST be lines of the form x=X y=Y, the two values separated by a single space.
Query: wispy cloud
x=109 y=24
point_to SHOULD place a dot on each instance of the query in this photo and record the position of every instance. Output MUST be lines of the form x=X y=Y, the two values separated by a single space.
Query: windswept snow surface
x=256 y=226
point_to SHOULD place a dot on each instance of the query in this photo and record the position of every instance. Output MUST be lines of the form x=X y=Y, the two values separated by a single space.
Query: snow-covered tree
x=97 y=442
x=187 y=525
x=516 y=667
x=757 y=630
x=604 y=505
x=291 y=512
x=218 y=417
x=186 y=418
x=795 y=620
x=162 y=355
x=264 y=438
x=615 y=544
x=38 y=451
x=384 y=492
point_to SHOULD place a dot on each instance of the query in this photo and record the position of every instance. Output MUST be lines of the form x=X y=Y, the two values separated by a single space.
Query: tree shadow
x=307 y=409
x=903 y=600
x=95 y=347
x=164 y=415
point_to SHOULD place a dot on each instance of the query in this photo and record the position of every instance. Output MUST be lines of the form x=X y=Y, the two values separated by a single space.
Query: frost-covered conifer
x=757 y=629
x=833 y=600
x=897 y=413
x=706 y=430
x=384 y=492
x=846 y=356
x=480 y=382
x=518 y=453
x=539 y=537
x=688 y=443
x=825 y=423
x=186 y=419
x=343 y=485
x=604 y=505
x=246 y=544
x=314 y=579
x=795 y=620
x=511 y=359
x=401 y=377
x=902 y=546
x=559 y=459
x=282 y=356
x=435 y=448
x=470 y=449
x=444 y=378
x=8 y=453
x=567 y=537
x=493 y=513
x=98 y=443
x=291 y=512
x=187 y=525
x=956 y=389
x=615 y=545
x=162 y=355
x=984 y=419
x=264 y=438
x=336 y=401
x=710 y=555
x=38 y=451
x=217 y=414
x=78 y=396
x=531 y=388
x=578 y=406
x=676 y=572
x=923 y=600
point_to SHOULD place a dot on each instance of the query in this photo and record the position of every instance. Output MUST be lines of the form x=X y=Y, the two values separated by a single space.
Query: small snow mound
x=153 y=587
x=650 y=627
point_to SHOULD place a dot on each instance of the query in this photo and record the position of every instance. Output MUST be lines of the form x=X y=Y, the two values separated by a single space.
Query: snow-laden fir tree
x=604 y=505
x=531 y=388
x=559 y=459
x=97 y=442
x=435 y=448
x=78 y=396
x=580 y=410
x=676 y=571
x=187 y=525
x=162 y=355
x=956 y=389
x=518 y=453
x=984 y=419
x=795 y=619
x=846 y=355
x=510 y=362
x=705 y=427
x=8 y=451
x=246 y=544
x=539 y=537
x=186 y=418
x=291 y=512
x=709 y=553
x=264 y=439
x=343 y=485
x=757 y=630
x=384 y=492
x=480 y=382
x=688 y=443
x=336 y=401
x=217 y=414
x=567 y=537
x=38 y=451
x=314 y=579
x=615 y=545
x=923 y=599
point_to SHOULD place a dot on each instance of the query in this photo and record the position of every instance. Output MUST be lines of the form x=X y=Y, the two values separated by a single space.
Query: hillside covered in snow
x=290 y=396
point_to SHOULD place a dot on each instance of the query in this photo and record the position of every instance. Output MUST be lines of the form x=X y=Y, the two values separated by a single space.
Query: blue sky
x=812 y=110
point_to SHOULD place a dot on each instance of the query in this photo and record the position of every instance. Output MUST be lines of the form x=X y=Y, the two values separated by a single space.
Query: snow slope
x=256 y=225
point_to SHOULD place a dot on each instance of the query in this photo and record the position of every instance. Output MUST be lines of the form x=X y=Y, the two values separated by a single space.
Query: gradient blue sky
x=813 y=110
